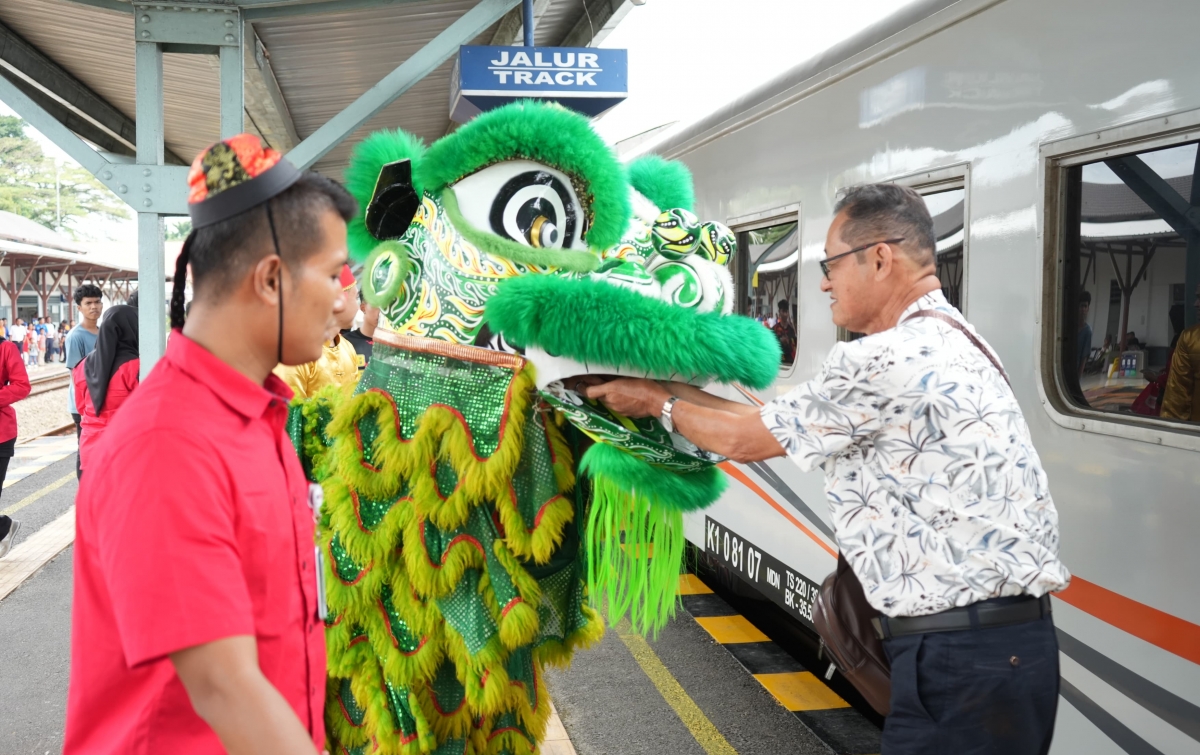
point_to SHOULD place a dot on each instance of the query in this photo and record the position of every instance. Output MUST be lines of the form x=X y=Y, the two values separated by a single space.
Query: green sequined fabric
x=440 y=631
x=416 y=381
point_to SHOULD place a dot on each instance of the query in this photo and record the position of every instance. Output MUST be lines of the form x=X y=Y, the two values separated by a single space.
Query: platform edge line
x=704 y=731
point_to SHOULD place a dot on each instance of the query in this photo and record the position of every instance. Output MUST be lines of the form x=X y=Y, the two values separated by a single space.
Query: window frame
x=1054 y=158
x=789 y=213
x=948 y=178
x=933 y=181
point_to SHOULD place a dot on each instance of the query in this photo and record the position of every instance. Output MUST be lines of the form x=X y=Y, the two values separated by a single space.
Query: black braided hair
x=178 y=312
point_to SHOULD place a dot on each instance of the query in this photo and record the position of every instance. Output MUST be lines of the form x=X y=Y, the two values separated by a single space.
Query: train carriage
x=1056 y=144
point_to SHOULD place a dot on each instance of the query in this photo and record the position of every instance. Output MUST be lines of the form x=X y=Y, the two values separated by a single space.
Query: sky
x=687 y=58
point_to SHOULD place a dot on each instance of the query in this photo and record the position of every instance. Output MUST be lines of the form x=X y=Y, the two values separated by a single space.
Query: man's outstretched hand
x=632 y=397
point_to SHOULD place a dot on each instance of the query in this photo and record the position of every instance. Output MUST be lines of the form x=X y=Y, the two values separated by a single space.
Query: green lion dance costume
x=473 y=505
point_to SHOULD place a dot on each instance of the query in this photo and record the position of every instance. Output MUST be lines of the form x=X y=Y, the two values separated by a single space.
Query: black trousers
x=6 y=451
x=78 y=431
x=976 y=692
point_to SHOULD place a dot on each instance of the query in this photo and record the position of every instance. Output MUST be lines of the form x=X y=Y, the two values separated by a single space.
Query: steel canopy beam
x=44 y=80
x=1183 y=216
x=51 y=128
x=1152 y=189
x=265 y=106
x=66 y=98
x=114 y=5
x=251 y=13
x=473 y=23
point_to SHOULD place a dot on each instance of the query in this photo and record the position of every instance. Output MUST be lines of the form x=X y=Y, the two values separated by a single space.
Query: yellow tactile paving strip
x=800 y=690
x=731 y=629
x=35 y=551
x=690 y=584
x=557 y=742
x=36 y=455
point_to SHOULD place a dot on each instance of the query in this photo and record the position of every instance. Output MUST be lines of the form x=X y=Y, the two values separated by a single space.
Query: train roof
x=822 y=69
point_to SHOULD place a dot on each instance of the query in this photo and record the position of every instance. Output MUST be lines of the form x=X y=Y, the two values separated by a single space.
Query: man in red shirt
x=195 y=626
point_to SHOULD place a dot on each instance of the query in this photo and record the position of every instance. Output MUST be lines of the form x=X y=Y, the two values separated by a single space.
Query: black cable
x=275 y=240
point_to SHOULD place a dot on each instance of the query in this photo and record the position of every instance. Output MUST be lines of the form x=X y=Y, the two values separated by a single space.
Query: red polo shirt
x=192 y=525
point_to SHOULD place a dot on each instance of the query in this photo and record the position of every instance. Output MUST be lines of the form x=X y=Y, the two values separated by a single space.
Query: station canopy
x=305 y=61
x=132 y=91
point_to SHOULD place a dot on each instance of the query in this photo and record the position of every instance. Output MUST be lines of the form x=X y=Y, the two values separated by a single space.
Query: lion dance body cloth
x=475 y=507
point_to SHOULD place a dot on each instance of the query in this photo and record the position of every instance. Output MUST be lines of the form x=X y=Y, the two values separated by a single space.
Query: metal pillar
x=148 y=74
x=527 y=21
x=174 y=29
x=233 y=103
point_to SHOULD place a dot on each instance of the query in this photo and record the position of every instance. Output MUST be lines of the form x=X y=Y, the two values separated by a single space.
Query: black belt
x=996 y=612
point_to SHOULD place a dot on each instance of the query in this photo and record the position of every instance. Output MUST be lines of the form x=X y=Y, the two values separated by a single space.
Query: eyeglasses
x=825 y=262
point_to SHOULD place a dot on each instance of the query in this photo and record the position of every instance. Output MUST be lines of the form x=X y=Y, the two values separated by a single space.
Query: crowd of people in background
x=39 y=340
x=102 y=358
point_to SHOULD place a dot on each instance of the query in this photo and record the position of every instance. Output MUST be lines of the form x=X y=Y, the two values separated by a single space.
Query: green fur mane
x=547 y=134
x=666 y=183
x=596 y=322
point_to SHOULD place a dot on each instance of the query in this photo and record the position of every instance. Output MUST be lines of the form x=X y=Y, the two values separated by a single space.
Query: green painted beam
x=473 y=23
x=114 y=5
x=51 y=128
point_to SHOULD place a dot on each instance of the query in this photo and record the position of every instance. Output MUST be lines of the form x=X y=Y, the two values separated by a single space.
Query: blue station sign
x=588 y=80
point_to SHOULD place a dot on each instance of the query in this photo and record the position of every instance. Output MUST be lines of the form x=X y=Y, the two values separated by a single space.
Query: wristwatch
x=667 y=423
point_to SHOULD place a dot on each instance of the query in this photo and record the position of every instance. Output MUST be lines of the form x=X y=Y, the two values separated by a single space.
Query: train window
x=947 y=206
x=948 y=211
x=765 y=275
x=1131 y=284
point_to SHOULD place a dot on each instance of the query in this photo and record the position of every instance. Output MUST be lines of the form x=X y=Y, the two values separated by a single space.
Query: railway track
x=47 y=383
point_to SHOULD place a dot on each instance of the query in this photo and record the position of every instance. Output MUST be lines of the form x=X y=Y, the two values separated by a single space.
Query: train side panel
x=989 y=92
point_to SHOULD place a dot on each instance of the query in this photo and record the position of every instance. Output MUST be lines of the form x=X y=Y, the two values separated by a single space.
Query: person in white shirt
x=938 y=498
x=51 y=340
x=16 y=334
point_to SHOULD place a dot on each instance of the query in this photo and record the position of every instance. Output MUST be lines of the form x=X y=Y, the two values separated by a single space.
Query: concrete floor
x=35 y=624
x=610 y=707
x=607 y=702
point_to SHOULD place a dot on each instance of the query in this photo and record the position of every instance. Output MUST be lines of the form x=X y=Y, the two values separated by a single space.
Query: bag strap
x=970 y=337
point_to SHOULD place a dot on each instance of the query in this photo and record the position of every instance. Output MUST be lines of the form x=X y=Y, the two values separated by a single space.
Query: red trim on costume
x=446 y=553
x=346 y=714
x=438 y=708
x=508 y=606
x=333 y=561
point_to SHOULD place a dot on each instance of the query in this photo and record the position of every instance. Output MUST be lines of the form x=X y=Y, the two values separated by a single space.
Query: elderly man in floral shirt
x=938 y=497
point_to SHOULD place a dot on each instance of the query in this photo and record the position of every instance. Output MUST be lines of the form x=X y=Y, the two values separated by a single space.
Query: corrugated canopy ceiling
x=322 y=63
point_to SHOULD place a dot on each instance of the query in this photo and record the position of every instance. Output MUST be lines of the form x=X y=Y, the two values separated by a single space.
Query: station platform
x=711 y=683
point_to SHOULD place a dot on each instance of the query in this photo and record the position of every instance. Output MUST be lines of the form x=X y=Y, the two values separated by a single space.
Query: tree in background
x=60 y=197
x=178 y=230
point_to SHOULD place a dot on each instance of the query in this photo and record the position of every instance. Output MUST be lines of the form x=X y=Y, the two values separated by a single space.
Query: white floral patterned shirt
x=937 y=495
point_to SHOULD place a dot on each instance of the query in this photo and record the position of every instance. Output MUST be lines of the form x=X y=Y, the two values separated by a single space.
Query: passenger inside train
x=1126 y=244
